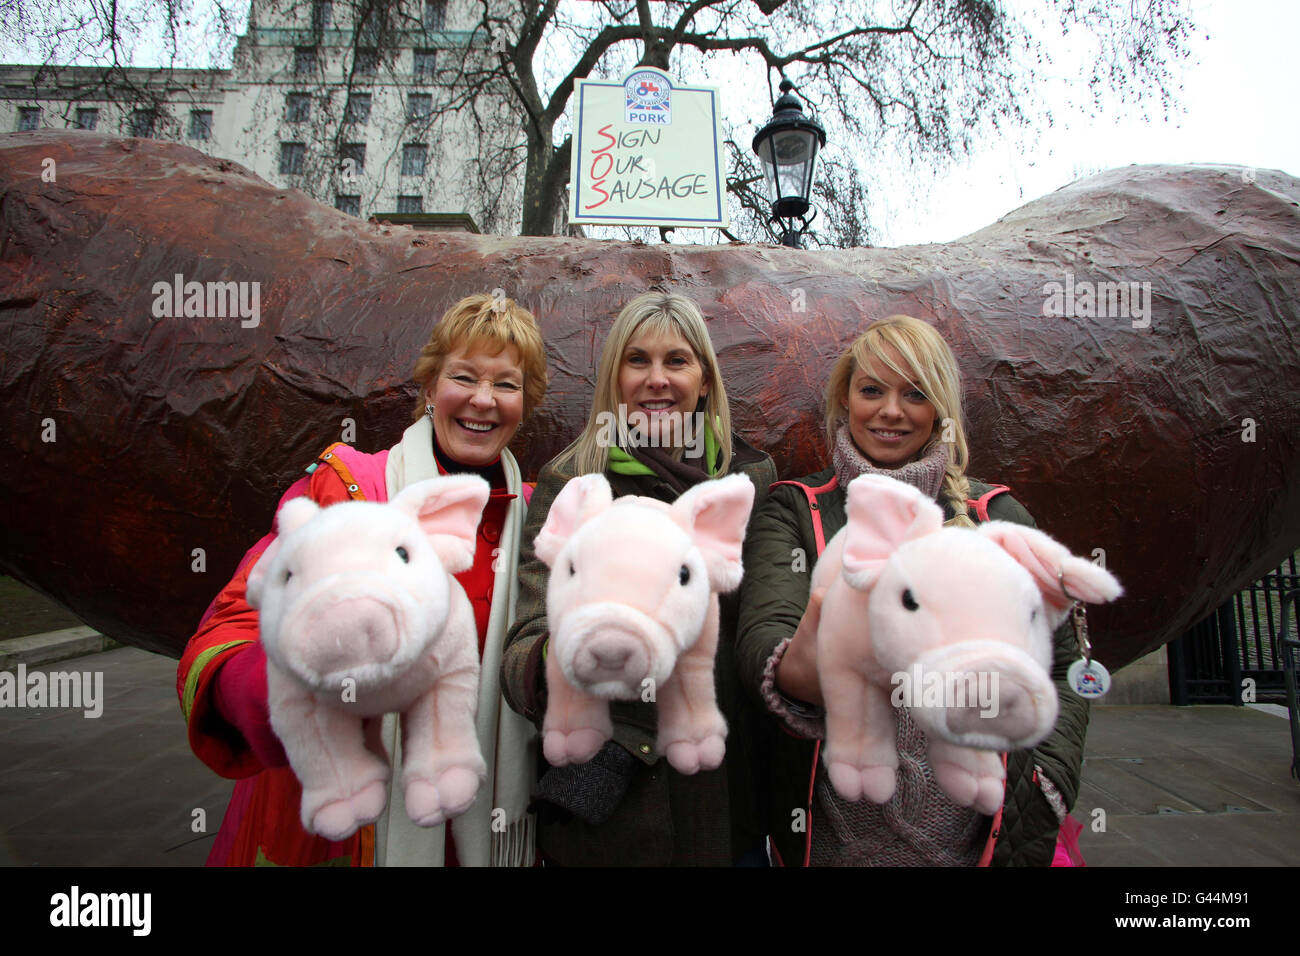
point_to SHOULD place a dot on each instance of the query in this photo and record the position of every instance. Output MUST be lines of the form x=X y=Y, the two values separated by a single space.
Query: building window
x=200 y=124
x=87 y=119
x=358 y=109
x=297 y=107
x=410 y=204
x=419 y=106
x=356 y=152
x=413 y=159
x=435 y=14
x=142 y=123
x=367 y=61
x=29 y=118
x=304 y=59
x=320 y=15
x=348 y=204
x=425 y=64
x=291 y=157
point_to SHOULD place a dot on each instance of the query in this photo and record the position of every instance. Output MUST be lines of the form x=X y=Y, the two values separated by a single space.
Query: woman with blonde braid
x=893 y=407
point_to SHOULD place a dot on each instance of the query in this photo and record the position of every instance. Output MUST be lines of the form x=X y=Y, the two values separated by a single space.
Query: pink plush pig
x=936 y=618
x=360 y=617
x=633 y=611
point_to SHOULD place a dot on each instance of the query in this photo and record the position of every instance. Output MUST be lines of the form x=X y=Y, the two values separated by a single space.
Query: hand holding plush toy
x=360 y=617
x=909 y=600
x=632 y=605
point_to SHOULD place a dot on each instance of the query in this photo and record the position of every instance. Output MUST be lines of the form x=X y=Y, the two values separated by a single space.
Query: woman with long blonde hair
x=659 y=425
x=893 y=408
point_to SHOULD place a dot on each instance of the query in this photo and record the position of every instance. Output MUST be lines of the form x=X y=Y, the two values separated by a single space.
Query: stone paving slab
x=1189 y=787
x=122 y=789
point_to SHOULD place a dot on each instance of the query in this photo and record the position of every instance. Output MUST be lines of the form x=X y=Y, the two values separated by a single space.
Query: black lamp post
x=788 y=146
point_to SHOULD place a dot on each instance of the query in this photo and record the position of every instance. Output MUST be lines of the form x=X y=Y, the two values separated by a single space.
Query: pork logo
x=647 y=97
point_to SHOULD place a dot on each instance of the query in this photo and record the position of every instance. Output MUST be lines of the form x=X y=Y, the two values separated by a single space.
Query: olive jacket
x=780 y=554
x=640 y=812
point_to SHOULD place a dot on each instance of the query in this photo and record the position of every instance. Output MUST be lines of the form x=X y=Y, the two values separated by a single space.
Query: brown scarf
x=924 y=474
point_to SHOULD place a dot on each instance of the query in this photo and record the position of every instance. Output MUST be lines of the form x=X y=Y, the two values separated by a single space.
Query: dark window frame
x=204 y=127
x=297 y=107
x=357 y=109
x=355 y=152
x=410 y=152
x=413 y=115
x=293 y=156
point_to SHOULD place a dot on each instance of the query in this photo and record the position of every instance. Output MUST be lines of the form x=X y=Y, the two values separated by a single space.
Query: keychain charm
x=1088 y=678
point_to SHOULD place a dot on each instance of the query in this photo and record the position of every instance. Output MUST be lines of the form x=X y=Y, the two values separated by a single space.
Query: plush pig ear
x=717 y=513
x=295 y=513
x=448 y=511
x=256 y=587
x=577 y=501
x=883 y=514
x=1050 y=563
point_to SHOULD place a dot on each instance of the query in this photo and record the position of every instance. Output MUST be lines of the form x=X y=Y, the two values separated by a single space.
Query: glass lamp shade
x=787 y=147
x=789 y=163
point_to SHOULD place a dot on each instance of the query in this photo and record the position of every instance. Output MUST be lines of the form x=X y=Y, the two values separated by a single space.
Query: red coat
x=262 y=825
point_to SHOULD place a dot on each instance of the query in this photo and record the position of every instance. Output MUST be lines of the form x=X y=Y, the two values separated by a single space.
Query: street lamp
x=788 y=146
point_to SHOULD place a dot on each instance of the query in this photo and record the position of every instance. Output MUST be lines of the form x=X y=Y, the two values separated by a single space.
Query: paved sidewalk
x=1194 y=786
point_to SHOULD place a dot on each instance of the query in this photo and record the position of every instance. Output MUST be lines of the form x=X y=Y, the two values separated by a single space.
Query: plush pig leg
x=861 y=736
x=576 y=725
x=344 y=785
x=442 y=766
x=692 y=731
x=970 y=778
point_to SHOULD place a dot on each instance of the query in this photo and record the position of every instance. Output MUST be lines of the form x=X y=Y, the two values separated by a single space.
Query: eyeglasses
x=467 y=383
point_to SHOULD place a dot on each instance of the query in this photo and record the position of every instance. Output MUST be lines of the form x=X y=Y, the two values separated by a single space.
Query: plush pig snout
x=358 y=626
x=345 y=636
x=609 y=649
x=989 y=695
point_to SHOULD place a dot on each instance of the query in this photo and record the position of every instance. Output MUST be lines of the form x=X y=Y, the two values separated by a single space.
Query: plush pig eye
x=909 y=602
x=684 y=575
x=287 y=575
x=572 y=570
x=401 y=553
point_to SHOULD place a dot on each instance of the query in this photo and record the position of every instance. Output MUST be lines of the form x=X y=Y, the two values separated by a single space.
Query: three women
x=893 y=407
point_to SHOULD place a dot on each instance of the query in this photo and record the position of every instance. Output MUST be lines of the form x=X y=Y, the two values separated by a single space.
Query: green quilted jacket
x=664 y=818
x=773 y=600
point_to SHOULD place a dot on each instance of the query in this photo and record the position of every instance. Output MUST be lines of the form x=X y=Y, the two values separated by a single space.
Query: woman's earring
x=428 y=410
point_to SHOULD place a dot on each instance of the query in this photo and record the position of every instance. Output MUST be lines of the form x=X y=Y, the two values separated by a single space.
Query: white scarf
x=484 y=836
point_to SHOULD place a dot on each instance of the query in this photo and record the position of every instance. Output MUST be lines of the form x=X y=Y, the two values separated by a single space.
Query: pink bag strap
x=811 y=494
x=981 y=504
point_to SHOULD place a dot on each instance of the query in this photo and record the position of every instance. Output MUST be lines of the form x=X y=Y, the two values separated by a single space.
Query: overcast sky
x=1239 y=93
x=1238 y=105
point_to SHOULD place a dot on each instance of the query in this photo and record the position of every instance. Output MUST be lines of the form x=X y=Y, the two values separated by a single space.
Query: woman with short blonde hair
x=481 y=374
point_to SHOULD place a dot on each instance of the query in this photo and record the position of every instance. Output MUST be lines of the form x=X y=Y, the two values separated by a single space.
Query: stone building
x=370 y=117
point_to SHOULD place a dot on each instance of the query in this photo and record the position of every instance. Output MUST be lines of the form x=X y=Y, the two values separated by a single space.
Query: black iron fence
x=1235 y=655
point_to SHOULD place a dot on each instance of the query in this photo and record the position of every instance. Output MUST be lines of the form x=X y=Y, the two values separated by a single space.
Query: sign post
x=647 y=152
